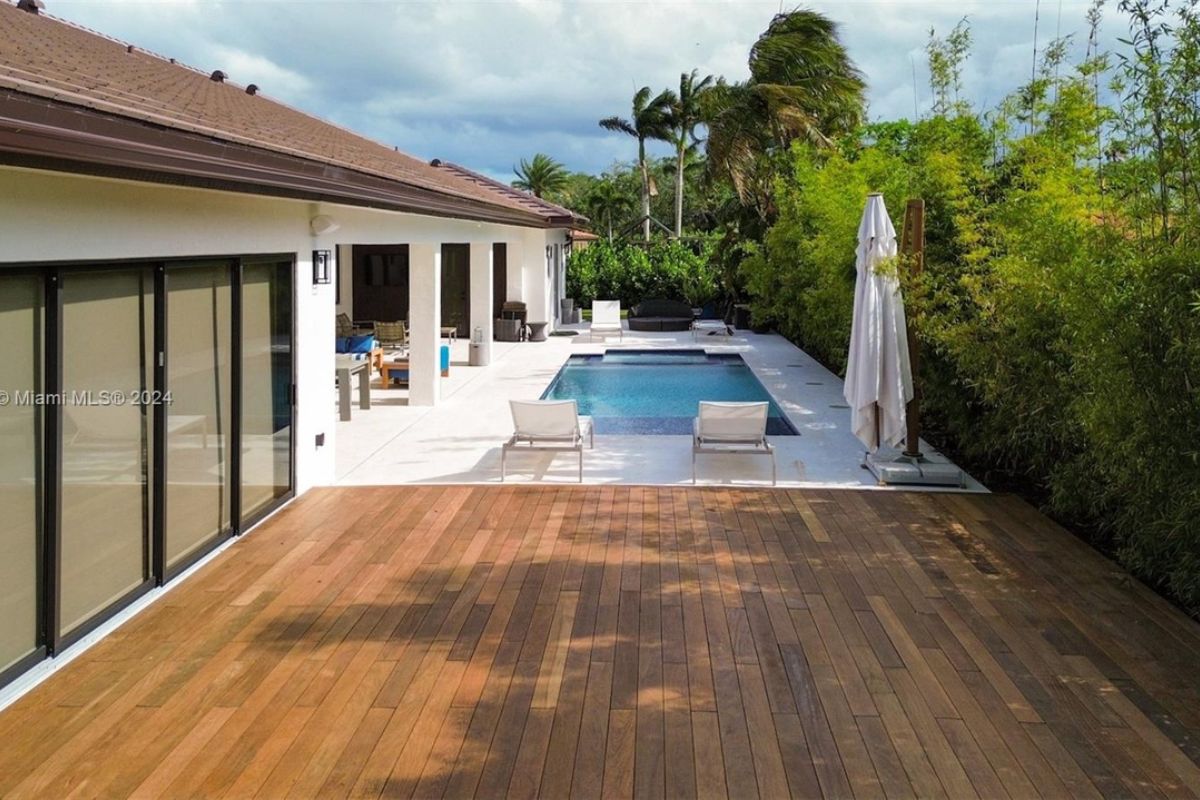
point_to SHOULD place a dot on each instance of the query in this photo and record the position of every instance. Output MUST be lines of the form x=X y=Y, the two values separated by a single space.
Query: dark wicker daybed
x=660 y=315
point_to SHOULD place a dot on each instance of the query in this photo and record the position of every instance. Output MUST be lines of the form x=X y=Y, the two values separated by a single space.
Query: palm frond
x=619 y=125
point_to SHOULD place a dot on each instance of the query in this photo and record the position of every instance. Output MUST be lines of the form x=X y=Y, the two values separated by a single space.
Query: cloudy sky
x=486 y=82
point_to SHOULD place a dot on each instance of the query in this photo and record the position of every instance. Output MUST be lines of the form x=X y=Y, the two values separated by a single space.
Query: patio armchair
x=549 y=425
x=391 y=335
x=346 y=327
x=732 y=428
x=606 y=318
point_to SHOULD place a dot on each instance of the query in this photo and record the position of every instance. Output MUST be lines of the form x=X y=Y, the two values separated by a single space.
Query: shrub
x=1061 y=349
x=631 y=273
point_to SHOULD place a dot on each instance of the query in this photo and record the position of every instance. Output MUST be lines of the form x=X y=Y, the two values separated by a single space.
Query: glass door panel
x=266 y=384
x=456 y=288
x=107 y=347
x=199 y=410
x=20 y=427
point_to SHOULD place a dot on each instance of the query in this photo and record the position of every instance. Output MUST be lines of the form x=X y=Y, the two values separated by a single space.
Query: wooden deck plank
x=607 y=641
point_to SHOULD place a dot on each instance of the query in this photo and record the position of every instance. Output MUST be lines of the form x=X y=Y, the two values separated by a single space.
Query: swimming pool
x=658 y=392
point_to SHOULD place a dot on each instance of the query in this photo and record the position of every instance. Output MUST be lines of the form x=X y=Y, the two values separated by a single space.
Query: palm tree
x=802 y=85
x=686 y=113
x=542 y=175
x=607 y=201
x=650 y=120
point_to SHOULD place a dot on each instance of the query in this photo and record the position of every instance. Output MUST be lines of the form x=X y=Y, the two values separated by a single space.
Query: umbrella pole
x=913 y=244
x=912 y=466
x=879 y=440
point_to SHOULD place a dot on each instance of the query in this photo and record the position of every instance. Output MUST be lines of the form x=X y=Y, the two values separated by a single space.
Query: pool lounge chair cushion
x=732 y=428
x=356 y=344
x=552 y=425
x=606 y=318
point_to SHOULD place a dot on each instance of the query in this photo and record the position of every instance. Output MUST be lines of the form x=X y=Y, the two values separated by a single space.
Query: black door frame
x=51 y=639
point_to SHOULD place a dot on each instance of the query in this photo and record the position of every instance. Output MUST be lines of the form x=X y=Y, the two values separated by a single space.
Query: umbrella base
x=892 y=468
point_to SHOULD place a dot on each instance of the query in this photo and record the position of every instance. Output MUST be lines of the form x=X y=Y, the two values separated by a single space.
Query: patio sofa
x=660 y=315
x=360 y=347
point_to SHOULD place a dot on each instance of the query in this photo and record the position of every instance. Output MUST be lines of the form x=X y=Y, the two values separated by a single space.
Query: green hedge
x=631 y=273
x=1061 y=349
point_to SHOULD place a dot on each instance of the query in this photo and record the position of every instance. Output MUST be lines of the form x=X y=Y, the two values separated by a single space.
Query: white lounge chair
x=550 y=425
x=606 y=318
x=710 y=327
x=732 y=428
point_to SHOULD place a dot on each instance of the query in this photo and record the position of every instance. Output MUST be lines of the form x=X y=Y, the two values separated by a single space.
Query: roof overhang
x=44 y=134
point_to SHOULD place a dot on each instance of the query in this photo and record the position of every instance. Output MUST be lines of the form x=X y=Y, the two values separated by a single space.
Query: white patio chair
x=549 y=425
x=606 y=319
x=732 y=428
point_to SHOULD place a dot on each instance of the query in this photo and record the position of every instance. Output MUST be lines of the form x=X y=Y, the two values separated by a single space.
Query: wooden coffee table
x=397 y=365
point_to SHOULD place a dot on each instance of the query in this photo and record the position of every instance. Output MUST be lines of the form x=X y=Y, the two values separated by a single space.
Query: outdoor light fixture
x=322 y=261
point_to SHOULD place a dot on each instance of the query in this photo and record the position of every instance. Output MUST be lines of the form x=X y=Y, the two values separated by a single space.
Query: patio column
x=425 y=322
x=537 y=277
x=481 y=295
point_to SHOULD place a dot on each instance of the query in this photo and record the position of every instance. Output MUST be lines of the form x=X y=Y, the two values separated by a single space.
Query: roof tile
x=48 y=57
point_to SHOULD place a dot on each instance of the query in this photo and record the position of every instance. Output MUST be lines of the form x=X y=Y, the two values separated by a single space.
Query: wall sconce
x=322 y=261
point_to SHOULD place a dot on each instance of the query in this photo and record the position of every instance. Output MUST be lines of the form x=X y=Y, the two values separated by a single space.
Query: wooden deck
x=613 y=642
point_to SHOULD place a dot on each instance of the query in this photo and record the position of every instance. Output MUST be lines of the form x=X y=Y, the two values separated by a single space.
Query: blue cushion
x=445 y=360
x=360 y=344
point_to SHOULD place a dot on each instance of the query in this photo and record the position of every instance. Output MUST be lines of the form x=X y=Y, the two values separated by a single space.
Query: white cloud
x=251 y=68
x=485 y=82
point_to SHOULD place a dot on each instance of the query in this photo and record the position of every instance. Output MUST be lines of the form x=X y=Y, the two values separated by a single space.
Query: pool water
x=658 y=392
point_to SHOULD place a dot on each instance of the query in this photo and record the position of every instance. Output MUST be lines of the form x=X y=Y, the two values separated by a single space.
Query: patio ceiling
x=451 y=640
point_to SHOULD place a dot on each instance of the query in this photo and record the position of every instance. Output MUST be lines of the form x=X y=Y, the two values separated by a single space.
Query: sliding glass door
x=266 y=384
x=146 y=415
x=199 y=366
x=105 y=496
x=21 y=336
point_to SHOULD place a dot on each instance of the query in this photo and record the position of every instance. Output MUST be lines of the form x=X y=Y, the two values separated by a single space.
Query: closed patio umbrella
x=878 y=373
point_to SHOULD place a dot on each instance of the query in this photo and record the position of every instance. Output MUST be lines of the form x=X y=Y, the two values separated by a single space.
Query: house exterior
x=564 y=226
x=175 y=249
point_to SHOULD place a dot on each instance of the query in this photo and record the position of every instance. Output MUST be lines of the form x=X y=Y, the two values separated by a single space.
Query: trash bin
x=479 y=354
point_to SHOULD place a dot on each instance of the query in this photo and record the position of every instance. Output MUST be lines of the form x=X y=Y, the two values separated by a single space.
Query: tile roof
x=532 y=202
x=47 y=57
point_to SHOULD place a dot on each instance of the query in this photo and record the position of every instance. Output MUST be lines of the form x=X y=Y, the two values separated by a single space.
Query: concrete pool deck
x=458 y=441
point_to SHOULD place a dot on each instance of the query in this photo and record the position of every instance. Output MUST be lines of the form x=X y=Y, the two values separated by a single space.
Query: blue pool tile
x=658 y=392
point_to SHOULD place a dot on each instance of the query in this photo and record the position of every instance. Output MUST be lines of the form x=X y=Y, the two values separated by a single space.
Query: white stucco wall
x=46 y=216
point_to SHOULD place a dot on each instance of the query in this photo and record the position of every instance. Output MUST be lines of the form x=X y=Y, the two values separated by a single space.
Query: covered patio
x=615 y=641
